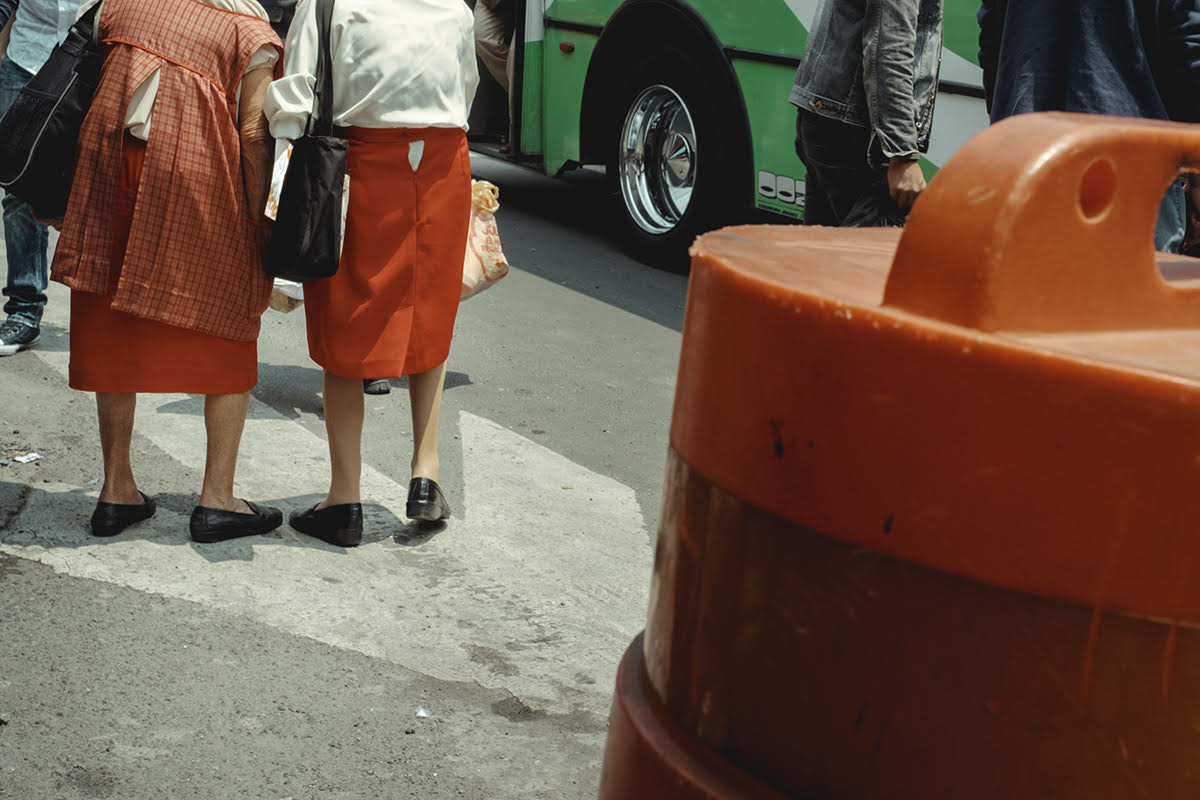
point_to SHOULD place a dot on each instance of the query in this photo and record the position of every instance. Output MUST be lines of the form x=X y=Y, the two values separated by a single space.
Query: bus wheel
x=674 y=162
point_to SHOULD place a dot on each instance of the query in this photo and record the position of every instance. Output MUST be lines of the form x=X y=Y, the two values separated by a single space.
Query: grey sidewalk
x=146 y=666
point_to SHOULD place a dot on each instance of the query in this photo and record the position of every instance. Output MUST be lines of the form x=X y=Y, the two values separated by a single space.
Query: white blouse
x=141 y=102
x=396 y=64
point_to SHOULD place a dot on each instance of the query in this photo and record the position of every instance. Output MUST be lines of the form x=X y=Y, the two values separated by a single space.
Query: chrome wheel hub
x=657 y=160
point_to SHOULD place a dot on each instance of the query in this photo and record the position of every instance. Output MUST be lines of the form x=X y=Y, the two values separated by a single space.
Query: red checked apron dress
x=157 y=247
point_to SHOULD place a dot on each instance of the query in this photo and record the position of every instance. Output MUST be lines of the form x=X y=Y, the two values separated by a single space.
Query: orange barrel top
x=998 y=409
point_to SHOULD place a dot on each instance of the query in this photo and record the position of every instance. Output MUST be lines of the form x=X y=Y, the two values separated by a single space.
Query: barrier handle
x=1045 y=222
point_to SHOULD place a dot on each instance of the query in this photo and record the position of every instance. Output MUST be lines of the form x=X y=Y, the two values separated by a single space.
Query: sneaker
x=376 y=386
x=16 y=336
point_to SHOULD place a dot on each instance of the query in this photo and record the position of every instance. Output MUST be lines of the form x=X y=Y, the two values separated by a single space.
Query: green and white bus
x=685 y=103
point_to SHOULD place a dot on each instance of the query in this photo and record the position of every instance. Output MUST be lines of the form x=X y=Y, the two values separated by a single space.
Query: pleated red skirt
x=390 y=309
x=112 y=351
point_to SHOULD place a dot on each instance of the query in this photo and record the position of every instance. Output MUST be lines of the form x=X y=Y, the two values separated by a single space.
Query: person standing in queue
x=495 y=25
x=864 y=92
x=37 y=26
x=281 y=13
x=404 y=76
x=1120 y=57
x=161 y=243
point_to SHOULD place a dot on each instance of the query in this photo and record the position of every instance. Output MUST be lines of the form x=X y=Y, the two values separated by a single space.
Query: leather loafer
x=340 y=525
x=109 y=519
x=426 y=501
x=209 y=525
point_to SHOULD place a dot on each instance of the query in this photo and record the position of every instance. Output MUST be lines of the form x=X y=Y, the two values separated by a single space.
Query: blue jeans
x=26 y=241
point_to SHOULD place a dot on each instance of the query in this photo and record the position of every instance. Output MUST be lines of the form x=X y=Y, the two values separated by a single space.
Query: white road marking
x=527 y=590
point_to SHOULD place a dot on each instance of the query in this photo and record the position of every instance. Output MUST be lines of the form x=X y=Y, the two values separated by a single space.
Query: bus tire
x=678 y=151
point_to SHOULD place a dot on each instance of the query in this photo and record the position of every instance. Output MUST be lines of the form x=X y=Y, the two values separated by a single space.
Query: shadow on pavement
x=291 y=391
x=54 y=339
x=417 y=532
x=583 y=217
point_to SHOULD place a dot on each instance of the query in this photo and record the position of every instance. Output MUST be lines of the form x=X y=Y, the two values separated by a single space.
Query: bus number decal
x=780 y=187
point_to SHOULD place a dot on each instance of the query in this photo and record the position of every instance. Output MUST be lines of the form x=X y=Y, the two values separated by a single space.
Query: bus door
x=490 y=131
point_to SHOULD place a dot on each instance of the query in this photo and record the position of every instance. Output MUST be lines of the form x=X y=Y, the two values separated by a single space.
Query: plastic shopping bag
x=286 y=295
x=484 y=263
x=283 y=156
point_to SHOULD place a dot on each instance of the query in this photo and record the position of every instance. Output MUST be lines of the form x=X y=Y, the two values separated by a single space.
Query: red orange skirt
x=112 y=351
x=390 y=309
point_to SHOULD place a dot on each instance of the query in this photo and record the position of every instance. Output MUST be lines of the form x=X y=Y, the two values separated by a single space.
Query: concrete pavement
x=472 y=661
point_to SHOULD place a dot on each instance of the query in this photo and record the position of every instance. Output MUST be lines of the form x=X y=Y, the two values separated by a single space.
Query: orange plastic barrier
x=931 y=525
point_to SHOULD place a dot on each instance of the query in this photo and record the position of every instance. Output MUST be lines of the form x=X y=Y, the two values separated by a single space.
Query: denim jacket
x=874 y=63
x=7 y=9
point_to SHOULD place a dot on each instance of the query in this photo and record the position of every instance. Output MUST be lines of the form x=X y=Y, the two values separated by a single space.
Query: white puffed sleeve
x=289 y=100
x=469 y=64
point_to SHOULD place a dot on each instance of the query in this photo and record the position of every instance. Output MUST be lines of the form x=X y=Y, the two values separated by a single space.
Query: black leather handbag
x=306 y=241
x=40 y=131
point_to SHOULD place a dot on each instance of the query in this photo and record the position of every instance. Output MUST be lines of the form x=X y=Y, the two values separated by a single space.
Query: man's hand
x=905 y=181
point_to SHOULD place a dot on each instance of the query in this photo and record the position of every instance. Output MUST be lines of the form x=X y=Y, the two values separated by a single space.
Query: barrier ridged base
x=650 y=756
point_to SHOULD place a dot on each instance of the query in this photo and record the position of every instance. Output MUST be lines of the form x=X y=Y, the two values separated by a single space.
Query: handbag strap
x=86 y=25
x=320 y=121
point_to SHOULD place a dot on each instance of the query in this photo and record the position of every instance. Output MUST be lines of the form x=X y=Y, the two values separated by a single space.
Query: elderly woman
x=161 y=245
x=404 y=76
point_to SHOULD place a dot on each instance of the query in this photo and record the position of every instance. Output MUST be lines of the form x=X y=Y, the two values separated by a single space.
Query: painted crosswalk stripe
x=526 y=590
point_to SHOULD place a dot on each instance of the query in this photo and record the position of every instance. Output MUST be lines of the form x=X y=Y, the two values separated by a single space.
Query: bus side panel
x=531 y=100
x=960 y=29
x=769 y=26
x=531 y=78
x=956 y=119
x=584 y=12
x=778 y=174
x=565 y=74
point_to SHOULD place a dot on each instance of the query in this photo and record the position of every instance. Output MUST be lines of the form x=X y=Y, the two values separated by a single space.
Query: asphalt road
x=473 y=661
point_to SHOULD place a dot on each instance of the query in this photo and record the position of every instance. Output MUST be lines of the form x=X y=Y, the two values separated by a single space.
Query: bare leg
x=115 y=412
x=343 y=423
x=224 y=418
x=425 y=395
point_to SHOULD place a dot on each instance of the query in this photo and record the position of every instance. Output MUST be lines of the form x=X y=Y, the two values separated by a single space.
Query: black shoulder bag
x=40 y=132
x=306 y=241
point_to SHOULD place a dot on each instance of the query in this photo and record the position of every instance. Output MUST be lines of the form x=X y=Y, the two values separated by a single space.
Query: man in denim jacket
x=865 y=90
x=1122 y=57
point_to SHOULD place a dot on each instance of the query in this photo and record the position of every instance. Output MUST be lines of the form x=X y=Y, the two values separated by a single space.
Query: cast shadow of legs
x=417 y=532
x=54 y=338
x=290 y=390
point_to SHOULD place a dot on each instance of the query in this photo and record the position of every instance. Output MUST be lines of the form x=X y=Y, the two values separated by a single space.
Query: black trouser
x=841 y=188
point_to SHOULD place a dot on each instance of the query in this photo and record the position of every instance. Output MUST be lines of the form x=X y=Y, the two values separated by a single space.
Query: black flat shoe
x=109 y=519
x=209 y=525
x=377 y=386
x=339 y=525
x=426 y=501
